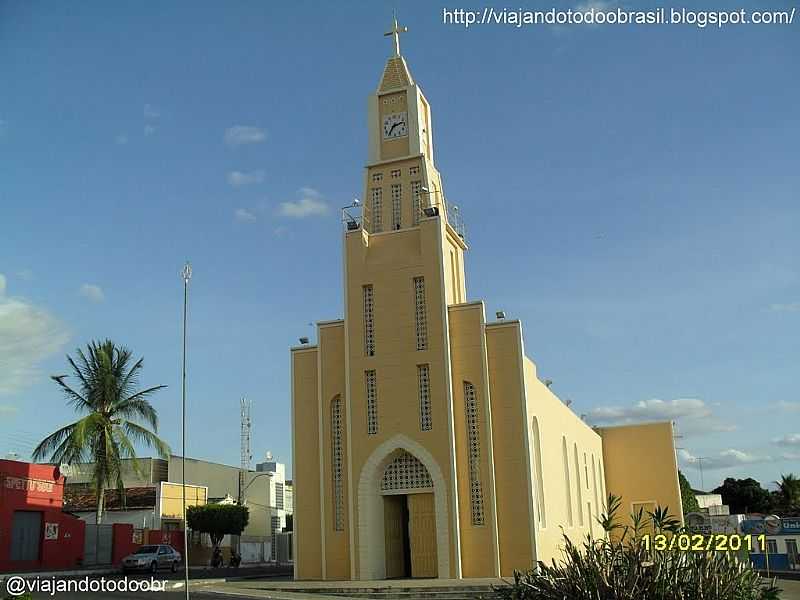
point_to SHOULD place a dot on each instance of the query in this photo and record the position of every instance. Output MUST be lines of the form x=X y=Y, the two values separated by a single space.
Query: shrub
x=625 y=569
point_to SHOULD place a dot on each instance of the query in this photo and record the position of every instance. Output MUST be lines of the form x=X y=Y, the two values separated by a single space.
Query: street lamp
x=186 y=275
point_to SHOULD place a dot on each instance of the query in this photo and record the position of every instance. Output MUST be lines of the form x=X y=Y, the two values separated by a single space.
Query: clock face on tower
x=395 y=125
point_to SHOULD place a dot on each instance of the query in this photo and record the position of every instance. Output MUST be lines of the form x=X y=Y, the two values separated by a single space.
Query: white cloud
x=25 y=275
x=597 y=5
x=788 y=406
x=149 y=130
x=790 y=456
x=310 y=204
x=785 y=307
x=151 y=112
x=692 y=415
x=791 y=439
x=240 y=178
x=28 y=335
x=244 y=215
x=2 y=285
x=8 y=410
x=121 y=139
x=92 y=292
x=244 y=134
x=722 y=460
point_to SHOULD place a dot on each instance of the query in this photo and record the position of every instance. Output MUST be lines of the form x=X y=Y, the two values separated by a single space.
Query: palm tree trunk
x=99 y=513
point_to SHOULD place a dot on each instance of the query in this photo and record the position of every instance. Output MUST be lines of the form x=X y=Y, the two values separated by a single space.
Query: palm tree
x=116 y=417
x=789 y=491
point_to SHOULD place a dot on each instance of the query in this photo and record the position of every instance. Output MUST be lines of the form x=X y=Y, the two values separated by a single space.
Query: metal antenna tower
x=246 y=455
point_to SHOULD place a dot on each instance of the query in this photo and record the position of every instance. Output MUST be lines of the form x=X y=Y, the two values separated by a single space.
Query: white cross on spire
x=395 y=33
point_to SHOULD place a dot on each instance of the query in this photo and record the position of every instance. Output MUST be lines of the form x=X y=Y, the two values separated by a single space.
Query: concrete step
x=411 y=593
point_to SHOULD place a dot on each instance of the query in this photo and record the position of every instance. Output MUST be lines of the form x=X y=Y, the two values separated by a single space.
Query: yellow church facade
x=424 y=444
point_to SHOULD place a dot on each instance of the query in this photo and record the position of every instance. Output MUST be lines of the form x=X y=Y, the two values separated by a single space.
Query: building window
x=372 y=402
x=420 y=313
x=405 y=472
x=423 y=378
x=397 y=195
x=377 y=210
x=474 y=449
x=772 y=546
x=395 y=173
x=337 y=464
x=377 y=177
x=279 y=504
x=568 y=487
x=275 y=525
x=369 y=321
x=537 y=462
x=578 y=485
x=414 y=170
x=416 y=209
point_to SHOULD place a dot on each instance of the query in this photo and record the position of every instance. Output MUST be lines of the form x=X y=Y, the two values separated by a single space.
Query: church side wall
x=567 y=497
x=332 y=385
x=478 y=542
x=504 y=350
x=640 y=467
x=306 y=464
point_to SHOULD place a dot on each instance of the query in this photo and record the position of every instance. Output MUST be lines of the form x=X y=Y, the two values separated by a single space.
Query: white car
x=152 y=557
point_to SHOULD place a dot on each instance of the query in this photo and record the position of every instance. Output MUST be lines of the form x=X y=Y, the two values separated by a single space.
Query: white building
x=280 y=497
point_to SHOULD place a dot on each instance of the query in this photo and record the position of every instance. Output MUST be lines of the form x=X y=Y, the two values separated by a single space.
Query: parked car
x=152 y=557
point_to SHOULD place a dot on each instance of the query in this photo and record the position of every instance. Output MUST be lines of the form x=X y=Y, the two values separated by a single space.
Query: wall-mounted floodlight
x=500 y=314
x=303 y=340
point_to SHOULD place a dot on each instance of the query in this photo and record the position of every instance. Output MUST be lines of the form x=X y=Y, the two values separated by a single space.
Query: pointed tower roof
x=396 y=74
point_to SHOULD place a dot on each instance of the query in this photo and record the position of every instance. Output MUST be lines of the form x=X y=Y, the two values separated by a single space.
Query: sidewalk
x=250 y=570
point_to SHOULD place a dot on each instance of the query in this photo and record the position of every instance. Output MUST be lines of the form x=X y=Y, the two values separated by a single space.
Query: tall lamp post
x=186 y=275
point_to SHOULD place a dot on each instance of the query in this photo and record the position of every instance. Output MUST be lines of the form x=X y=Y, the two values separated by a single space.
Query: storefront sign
x=28 y=485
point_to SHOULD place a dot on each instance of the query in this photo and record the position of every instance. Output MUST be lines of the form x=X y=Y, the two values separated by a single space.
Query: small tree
x=218 y=520
x=688 y=499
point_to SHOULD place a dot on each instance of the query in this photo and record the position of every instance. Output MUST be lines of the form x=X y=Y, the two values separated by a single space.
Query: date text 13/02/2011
x=698 y=542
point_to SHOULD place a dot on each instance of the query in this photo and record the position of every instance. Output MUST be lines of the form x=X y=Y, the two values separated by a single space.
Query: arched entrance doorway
x=402 y=514
x=409 y=517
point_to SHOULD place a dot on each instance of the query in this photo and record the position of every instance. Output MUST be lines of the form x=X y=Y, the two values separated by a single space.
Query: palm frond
x=139 y=434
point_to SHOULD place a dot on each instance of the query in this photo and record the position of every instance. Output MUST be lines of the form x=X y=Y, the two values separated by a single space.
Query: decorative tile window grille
x=420 y=313
x=405 y=472
x=279 y=496
x=369 y=321
x=337 y=464
x=377 y=210
x=372 y=402
x=414 y=170
x=397 y=195
x=416 y=197
x=424 y=379
x=395 y=173
x=377 y=177
x=474 y=449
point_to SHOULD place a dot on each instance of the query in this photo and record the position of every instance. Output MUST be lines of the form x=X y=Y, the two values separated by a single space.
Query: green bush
x=619 y=567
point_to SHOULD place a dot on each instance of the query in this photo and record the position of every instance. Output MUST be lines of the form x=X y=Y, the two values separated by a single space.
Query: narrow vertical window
x=369 y=321
x=416 y=210
x=594 y=480
x=424 y=381
x=578 y=485
x=337 y=464
x=537 y=464
x=372 y=402
x=420 y=313
x=397 y=195
x=567 y=485
x=474 y=449
x=377 y=210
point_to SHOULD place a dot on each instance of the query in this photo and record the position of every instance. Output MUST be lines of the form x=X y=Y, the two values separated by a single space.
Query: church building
x=424 y=443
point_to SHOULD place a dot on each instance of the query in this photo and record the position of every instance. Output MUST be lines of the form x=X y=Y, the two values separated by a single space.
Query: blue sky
x=630 y=193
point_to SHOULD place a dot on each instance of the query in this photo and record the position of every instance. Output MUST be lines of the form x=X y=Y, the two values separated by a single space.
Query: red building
x=35 y=533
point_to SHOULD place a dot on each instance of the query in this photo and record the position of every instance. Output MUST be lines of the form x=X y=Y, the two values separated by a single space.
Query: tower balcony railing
x=354 y=217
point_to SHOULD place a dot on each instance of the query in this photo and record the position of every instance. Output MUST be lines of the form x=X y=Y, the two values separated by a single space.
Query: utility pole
x=700 y=460
x=186 y=275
